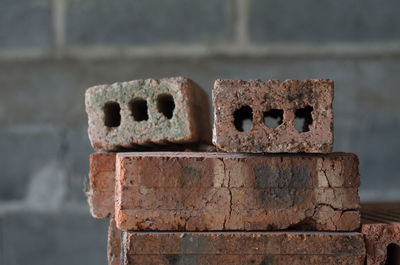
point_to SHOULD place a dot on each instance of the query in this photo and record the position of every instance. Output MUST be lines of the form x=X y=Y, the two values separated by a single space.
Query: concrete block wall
x=52 y=50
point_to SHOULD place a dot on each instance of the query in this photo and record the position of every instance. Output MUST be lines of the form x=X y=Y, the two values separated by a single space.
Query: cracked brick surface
x=128 y=115
x=381 y=229
x=310 y=101
x=244 y=248
x=101 y=184
x=222 y=191
x=102 y=180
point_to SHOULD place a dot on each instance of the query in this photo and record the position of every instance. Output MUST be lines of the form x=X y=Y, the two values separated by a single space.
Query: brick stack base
x=242 y=248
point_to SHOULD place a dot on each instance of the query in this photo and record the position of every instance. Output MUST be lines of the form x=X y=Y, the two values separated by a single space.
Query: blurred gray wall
x=52 y=50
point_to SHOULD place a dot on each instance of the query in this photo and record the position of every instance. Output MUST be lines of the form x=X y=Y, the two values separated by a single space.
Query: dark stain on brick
x=285 y=176
x=193 y=244
x=172 y=258
x=192 y=176
x=268 y=260
x=300 y=196
x=266 y=176
x=276 y=198
x=301 y=177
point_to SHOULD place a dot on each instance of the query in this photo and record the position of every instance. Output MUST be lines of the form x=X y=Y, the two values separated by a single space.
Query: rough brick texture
x=243 y=248
x=310 y=101
x=101 y=184
x=222 y=191
x=146 y=112
x=113 y=244
x=381 y=229
x=102 y=180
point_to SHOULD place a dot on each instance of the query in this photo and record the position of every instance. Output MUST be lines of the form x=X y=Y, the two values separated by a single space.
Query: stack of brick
x=274 y=194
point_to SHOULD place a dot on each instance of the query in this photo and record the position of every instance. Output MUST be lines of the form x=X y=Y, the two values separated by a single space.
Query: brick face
x=308 y=103
x=227 y=248
x=381 y=230
x=145 y=112
x=101 y=184
x=378 y=237
x=219 y=191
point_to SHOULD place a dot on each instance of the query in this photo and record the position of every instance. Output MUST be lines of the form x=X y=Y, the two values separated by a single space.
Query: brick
x=309 y=102
x=31 y=24
x=222 y=191
x=323 y=22
x=148 y=22
x=100 y=193
x=228 y=248
x=146 y=112
x=113 y=244
x=381 y=229
x=101 y=184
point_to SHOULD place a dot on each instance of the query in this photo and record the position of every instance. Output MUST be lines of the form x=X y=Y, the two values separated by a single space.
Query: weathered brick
x=243 y=248
x=113 y=244
x=100 y=194
x=285 y=103
x=222 y=191
x=381 y=229
x=146 y=112
x=101 y=184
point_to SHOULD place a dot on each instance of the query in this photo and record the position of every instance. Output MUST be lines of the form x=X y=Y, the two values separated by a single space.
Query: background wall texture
x=52 y=50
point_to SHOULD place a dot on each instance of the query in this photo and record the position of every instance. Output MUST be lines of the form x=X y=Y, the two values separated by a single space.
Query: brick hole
x=303 y=119
x=166 y=105
x=112 y=115
x=393 y=254
x=243 y=118
x=273 y=118
x=138 y=108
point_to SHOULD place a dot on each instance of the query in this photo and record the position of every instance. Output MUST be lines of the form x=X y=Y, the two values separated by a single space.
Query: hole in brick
x=273 y=118
x=138 y=107
x=166 y=105
x=112 y=116
x=393 y=254
x=243 y=118
x=303 y=119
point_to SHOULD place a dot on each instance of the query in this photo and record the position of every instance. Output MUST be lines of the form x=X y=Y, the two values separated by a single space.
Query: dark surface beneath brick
x=25 y=24
x=53 y=238
x=147 y=21
x=324 y=21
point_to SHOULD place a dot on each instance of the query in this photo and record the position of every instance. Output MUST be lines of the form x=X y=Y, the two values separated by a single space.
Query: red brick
x=243 y=248
x=113 y=244
x=240 y=99
x=381 y=229
x=221 y=191
x=138 y=113
x=101 y=184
